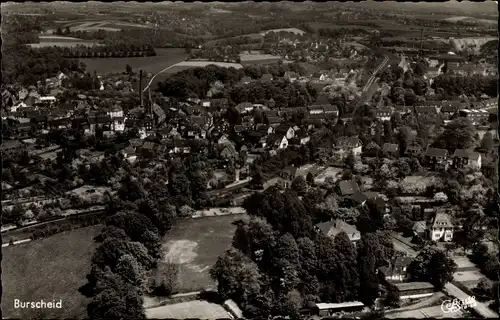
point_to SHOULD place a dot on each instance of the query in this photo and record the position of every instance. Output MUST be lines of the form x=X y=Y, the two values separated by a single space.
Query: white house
x=442 y=228
x=115 y=112
x=118 y=124
x=463 y=158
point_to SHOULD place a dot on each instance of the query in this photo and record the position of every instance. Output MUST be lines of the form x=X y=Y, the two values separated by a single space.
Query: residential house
x=244 y=107
x=205 y=103
x=229 y=153
x=345 y=145
x=129 y=154
x=334 y=227
x=425 y=111
x=475 y=116
x=277 y=181
x=266 y=77
x=219 y=104
x=437 y=158
x=412 y=151
x=274 y=120
x=442 y=228
x=289 y=173
x=348 y=187
x=291 y=76
x=299 y=140
x=396 y=270
x=449 y=109
x=463 y=158
x=276 y=141
x=286 y=130
x=420 y=229
x=390 y=148
x=179 y=146
x=403 y=109
x=246 y=80
x=158 y=113
x=383 y=114
x=115 y=112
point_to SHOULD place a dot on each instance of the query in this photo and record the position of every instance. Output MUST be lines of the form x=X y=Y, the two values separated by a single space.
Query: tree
x=110 y=304
x=434 y=266
x=299 y=185
x=254 y=239
x=350 y=161
x=257 y=181
x=392 y=296
x=487 y=142
x=310 y=178
x=367 y=264
x=128 y=69
x=237 y=277
x=131 y=271
x=134 y=224
x=483 y=291
x=169 y=280
x=110 y=251
x=459 y=134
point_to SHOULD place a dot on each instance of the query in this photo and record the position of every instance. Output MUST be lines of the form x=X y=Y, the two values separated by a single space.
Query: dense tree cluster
x=27 y=66
x=279 y=262
x=434 y=266
x=473 y=85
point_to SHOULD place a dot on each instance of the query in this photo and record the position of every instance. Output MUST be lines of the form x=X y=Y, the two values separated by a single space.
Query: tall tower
x=422 y=43
x=140 y=87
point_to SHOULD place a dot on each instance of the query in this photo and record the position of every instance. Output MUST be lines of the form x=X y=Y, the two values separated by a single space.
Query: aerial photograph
x=250 y=160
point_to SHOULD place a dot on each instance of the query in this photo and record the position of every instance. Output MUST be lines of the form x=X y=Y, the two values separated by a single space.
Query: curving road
x=481 y=308
x=160 y=72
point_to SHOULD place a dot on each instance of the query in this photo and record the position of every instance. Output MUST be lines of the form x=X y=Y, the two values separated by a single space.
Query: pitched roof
x=348 y=187
x=274 y=139
x=425 y=110
x=359 y=197
x=396 y=266
x=420 y=226
x=461 y=153
x=348 y=142
x=332 y=228
x=407 y=286
x=390 y=147
x=436 y=152
x=266 y=77
x=442 y=220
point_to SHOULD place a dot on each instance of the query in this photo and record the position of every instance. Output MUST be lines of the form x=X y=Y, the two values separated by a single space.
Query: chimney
x=140 y=86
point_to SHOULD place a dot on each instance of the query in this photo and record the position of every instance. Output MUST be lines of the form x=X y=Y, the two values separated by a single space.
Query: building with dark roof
x=395 y=271
x=334 y=227
x=348 y=187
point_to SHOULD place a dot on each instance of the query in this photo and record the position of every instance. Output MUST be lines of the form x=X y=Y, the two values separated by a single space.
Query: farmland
x=163 y=59
x=94 y=25
x=49 y=269
x=59 y=41
x=195 y=245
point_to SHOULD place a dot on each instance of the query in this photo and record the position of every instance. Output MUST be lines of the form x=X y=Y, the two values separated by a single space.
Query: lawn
x=49 y=269
x=188 y=310
x=163 y=59
x=195 y=245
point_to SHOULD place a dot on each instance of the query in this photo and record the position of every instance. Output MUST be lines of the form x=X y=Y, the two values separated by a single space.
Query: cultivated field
x=245 y=57
x=108 y=25
x=188 y=310
x=195 y=245
x=50 y=41
x=163 y=59
x=48 y=269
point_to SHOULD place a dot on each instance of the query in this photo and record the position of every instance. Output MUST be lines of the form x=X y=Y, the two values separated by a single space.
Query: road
x=160 y=72
x=480 y=307
x=401 y=246
x=371 y=85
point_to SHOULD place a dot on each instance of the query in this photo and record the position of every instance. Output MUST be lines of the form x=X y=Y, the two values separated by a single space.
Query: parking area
x=188 y=310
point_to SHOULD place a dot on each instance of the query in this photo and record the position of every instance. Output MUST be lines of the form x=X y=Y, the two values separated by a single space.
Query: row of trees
x=105 y=51
x=278 y=261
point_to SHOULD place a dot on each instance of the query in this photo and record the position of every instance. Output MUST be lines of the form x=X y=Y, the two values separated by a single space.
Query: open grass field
x=195 y=245
x=188 y=310
x=164 y=58
x=50 y=269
